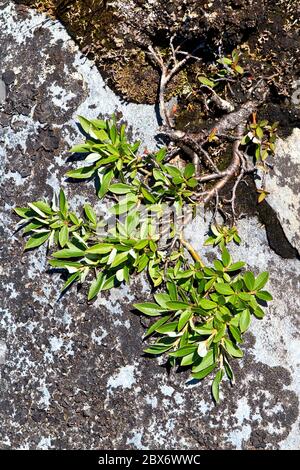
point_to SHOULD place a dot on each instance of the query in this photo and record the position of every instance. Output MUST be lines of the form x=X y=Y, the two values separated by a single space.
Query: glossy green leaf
x=261 y=280
x=207 y=304
x=96 y=286
x=63 y=236
x=249 y=280
x=245 y=320
x=90 y=213
x=37 y=240
x=216 y=385
x=149 y=308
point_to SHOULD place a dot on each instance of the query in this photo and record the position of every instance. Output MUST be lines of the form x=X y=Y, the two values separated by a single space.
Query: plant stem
x=191 y=251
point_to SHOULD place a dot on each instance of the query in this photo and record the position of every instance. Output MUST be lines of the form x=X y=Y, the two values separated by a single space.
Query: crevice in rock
x=248 y=206
x=275 y=233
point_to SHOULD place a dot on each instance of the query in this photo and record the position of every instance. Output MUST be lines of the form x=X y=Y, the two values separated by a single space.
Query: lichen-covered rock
x=282 y=182
x=72 y=374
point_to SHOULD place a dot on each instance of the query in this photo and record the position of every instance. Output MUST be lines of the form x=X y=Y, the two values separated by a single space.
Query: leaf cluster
x=203 y=315
x=202 y=311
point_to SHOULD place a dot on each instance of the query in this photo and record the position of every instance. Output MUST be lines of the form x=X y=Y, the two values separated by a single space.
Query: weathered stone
x=3 y=349
x=66 y=356
x=2 y=92
x=283 y=183
x=8 y=77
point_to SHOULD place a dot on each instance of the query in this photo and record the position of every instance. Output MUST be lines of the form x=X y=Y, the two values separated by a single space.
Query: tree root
x=231 y=127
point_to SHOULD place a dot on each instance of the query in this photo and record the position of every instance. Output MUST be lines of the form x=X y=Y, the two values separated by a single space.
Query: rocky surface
x=72 y=374
x=285 y=175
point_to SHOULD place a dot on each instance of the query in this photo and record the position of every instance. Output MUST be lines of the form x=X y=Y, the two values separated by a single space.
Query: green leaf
x=90 y=214
x=159 y=176
x=100 y=249
x=224 y=289
x=226 y=258
x=120 y=188
x=36 y=209
x=206 y=81
x=235 y=266
x=264 y=295
x=105 y=183
x=181 y=352
x=81 y=173
x=147 y=195
x=32 y=226
x=184 y=318
x=207 y=304
x=259 y=132
x=167 y=327
x=160 y=155
x=192 y=183
x=122 y=207
x=156 y=324
x=245 y=296
x=44 y=207
x=93 y=157
x=36 y=240
x=141 y=244
x=218 y=265
x=216 y=385
x=63 y=236
x=62 y=202
x=172 y=289
x=239 y=69
x=173 y=171
x=109 y=283
x=249 y=280
x=206 y=361
x=258 y=312
x=177 y=305
x=221 y=333
x=70 y=280
x=81 y=148
x=235 y=333
x=162 y=299
x=189 y=359
x=96 y=286
x=204 y=372
x=149 y=308
x=225 y=60
x=157 y=349
x=189 y=170
x=228 y=370
x=85 y=124
x=23 y=212
x=68 y=253
x=232 y=349
x=245 y=320
x=120 y=258
x=143 y=262
x=57 y=263
x=261 y=280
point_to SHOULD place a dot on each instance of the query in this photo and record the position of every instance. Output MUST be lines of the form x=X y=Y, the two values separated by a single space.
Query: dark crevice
x=275 y=234
x=248 y=206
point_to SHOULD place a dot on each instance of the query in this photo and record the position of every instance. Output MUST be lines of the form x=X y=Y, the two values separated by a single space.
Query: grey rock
x=283 y=183
x=3 y=349
x=2 y=92
x=8 y=77
x=57 y=367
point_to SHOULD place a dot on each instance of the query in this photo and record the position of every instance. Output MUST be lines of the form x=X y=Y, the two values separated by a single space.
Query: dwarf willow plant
x=200 y=312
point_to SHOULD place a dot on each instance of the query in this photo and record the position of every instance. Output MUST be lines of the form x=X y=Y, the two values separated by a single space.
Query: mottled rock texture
x=72 y=374
x=284 y=186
